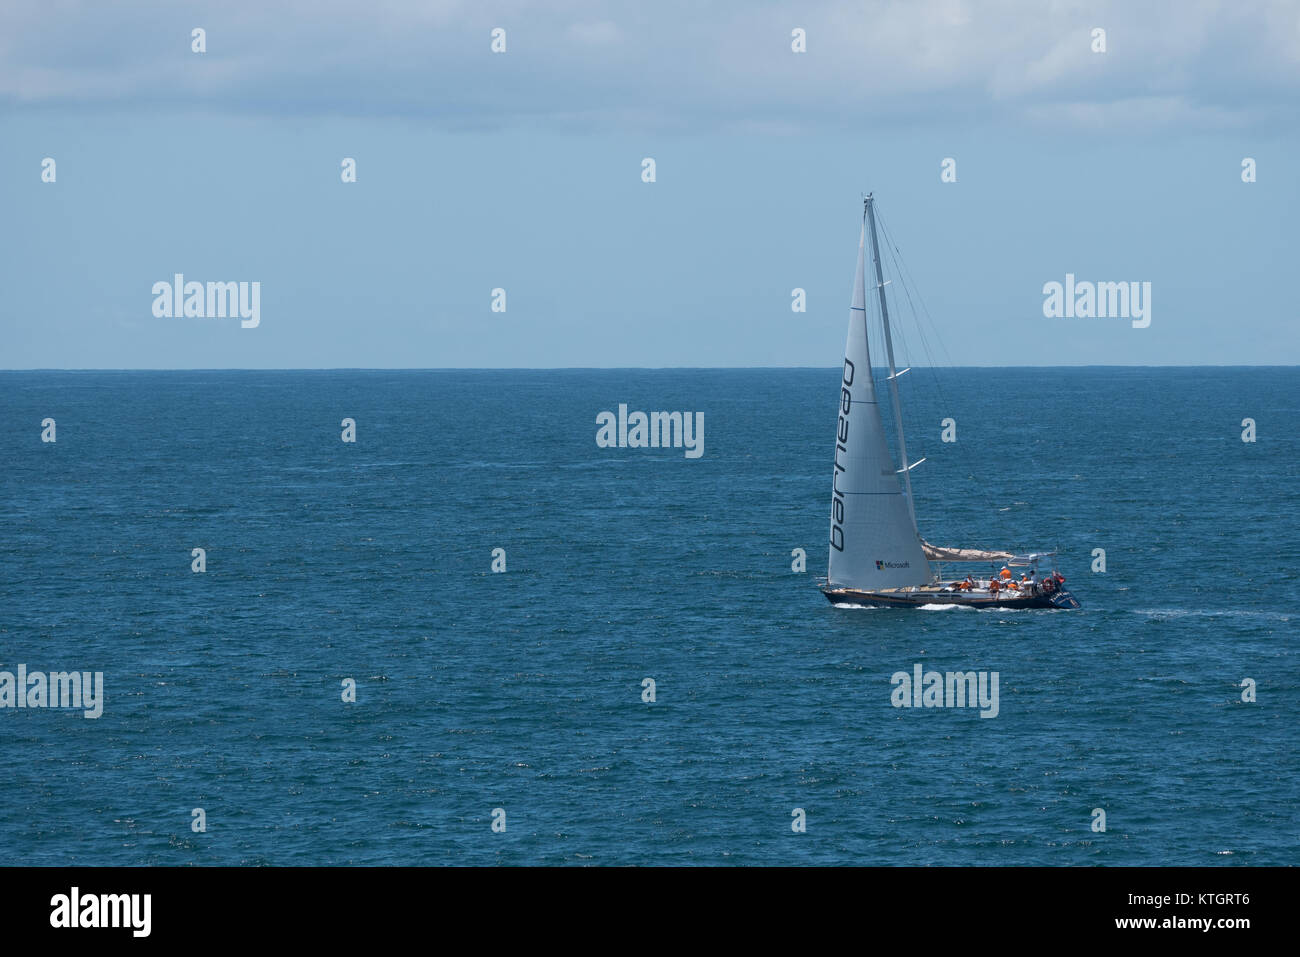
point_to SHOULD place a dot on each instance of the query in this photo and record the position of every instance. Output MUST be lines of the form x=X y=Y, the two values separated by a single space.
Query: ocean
x=501 y=718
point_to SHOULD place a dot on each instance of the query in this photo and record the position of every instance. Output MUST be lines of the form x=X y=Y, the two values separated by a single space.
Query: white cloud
x=674 y=63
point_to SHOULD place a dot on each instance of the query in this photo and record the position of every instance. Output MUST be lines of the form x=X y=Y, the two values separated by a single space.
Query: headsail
x=874 y=541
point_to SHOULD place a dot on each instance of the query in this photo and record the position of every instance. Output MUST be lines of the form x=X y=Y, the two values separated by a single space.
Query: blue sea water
x=523 y=690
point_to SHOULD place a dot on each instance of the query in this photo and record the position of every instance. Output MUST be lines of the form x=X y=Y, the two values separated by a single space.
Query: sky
x=523 y=171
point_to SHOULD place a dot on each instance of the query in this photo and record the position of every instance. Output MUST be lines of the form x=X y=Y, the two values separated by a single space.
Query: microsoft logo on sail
x=881 y=566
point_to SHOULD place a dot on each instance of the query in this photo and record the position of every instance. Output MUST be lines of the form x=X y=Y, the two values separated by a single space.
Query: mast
x=889 y=352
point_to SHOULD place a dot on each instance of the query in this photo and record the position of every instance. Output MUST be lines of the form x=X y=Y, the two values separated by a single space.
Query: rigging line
x=901 y=271
x=906 y=280
x=923 y=339
x=908 y=284
x=909 y=281
x=898 y=270
x=900 y=267
x=901 y=332
x=882 y=381
x=875 y=339
x=891 y=434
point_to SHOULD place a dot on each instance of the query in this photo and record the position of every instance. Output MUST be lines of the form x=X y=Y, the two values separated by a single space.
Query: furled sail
x=936 y=554
x=874 y=541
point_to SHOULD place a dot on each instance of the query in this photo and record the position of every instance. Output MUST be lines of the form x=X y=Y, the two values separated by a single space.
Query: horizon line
x=625 y=368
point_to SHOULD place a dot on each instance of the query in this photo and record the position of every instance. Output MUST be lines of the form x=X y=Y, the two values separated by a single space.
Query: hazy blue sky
x=522 y=170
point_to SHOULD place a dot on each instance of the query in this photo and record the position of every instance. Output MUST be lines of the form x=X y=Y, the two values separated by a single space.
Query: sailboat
x=877 y=555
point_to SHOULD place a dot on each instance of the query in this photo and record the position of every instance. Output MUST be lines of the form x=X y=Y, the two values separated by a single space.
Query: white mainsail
x=874 y=540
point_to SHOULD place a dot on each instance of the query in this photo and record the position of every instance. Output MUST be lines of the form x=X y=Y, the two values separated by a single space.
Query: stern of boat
x=1063 y=599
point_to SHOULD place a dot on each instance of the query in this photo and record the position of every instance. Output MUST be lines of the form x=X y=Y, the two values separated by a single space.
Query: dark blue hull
x=908 y=598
